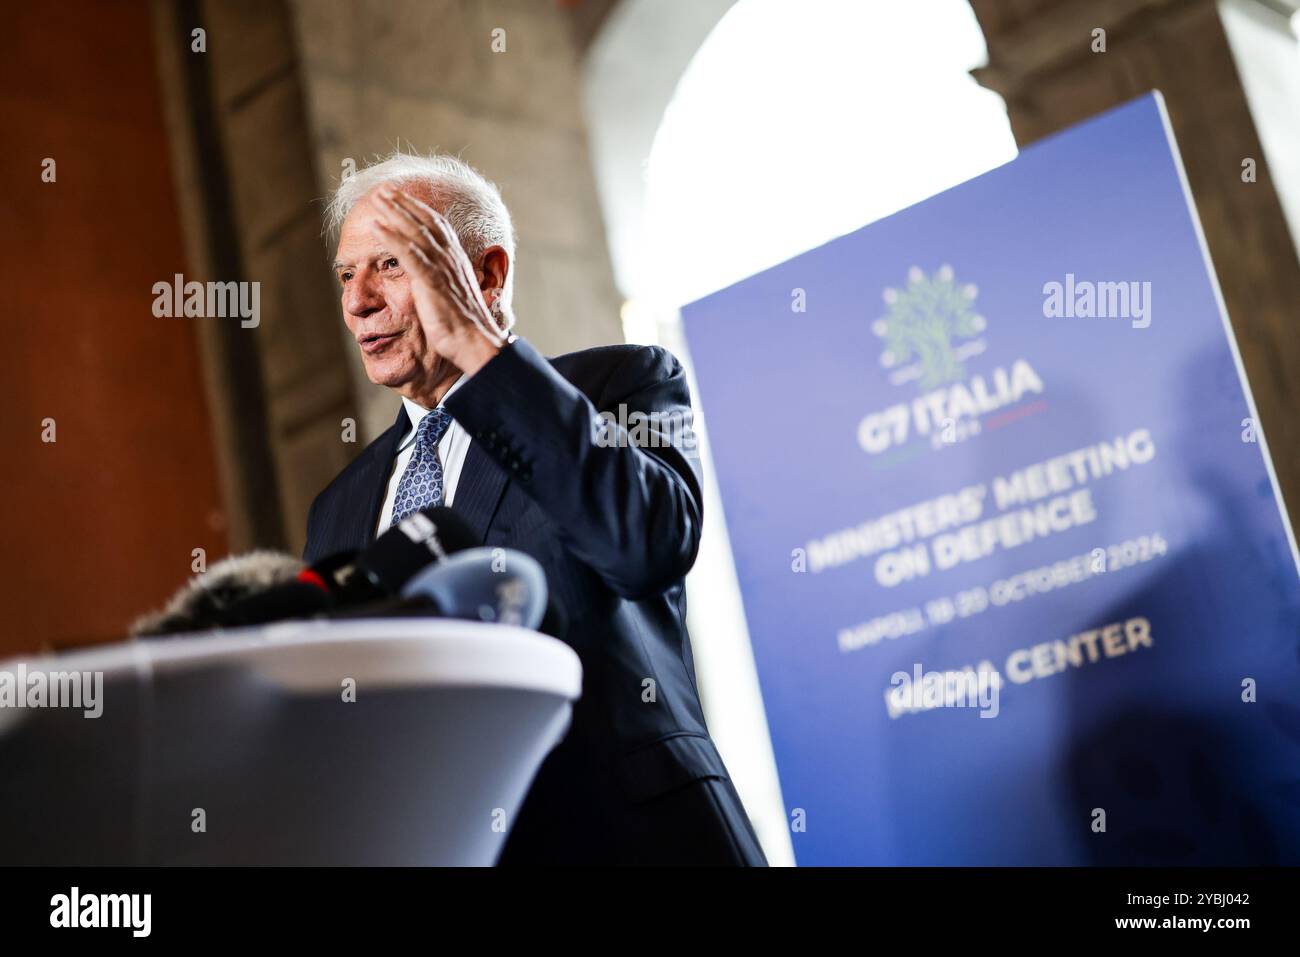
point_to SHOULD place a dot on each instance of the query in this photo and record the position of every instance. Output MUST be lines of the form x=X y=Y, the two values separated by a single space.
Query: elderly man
x=516 y=445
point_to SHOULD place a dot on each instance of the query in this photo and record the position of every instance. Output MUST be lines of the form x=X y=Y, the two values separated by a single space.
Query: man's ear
x=492 y=272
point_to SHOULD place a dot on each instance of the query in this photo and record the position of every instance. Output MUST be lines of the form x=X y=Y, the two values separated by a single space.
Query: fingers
x=401 y=241
x=400 y=229
x=401 y=222
x=489 y=331
x=389 y=202
x=420 y=254
x=424 y=217
x=407 y=225
x=419 y=227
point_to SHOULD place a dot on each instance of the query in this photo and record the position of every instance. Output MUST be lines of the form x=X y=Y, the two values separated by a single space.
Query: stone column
x=280 y=392
x=1041 y=61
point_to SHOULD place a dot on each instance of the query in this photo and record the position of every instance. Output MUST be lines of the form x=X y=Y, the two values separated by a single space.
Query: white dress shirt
x=451 y=453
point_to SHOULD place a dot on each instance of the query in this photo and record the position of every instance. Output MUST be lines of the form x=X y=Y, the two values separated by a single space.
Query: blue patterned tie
x=421 y=484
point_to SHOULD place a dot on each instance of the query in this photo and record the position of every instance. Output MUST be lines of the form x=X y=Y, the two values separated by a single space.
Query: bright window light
x=799 y=122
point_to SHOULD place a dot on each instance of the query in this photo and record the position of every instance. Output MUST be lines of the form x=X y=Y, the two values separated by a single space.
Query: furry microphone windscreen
x=199 y=604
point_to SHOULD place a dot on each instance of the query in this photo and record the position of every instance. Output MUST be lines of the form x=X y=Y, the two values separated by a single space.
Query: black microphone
x=358 y=580
x=383 y=567
x=441 y=593
x=480 y=584
x=410 y=546
x=331 y=573
x=291 y=600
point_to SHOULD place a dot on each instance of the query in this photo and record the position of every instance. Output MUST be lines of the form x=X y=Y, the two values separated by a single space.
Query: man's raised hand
x=452 y=311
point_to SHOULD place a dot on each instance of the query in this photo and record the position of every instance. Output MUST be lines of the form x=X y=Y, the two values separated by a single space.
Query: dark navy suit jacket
x=616 y=526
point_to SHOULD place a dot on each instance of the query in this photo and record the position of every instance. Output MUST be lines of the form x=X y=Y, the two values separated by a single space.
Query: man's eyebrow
x=338 y=264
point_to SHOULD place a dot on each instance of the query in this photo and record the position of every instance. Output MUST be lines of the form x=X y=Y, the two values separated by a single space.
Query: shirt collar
x=415 y=412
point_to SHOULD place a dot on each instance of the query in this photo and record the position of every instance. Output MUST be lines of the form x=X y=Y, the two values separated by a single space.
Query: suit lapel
x=372 y=481
x=478 y=490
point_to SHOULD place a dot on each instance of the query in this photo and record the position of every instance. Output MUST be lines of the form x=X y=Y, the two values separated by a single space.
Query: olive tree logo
x=923 y=320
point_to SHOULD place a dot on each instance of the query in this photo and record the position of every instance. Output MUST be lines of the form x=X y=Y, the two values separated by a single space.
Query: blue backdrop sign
x=1013 y=558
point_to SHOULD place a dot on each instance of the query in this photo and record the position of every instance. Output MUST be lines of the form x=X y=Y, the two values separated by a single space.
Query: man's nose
x=362 y=296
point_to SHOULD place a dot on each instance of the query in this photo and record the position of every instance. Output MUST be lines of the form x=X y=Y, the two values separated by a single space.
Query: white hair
x=471 y=203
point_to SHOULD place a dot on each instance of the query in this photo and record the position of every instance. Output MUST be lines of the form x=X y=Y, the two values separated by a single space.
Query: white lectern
x=406 y=741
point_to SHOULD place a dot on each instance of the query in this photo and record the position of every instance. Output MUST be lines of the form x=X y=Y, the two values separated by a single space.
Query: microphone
x=205 y=600
x=554 y=622
x=484 y=584
x=348 y=580
x=424 y=537
x=424 y=565
x=295 y=599
x=382 y=568
x=330 y=574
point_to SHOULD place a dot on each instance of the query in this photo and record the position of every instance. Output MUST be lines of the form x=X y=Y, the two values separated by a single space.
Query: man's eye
x=344 y=276
x=390 y=263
